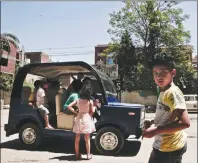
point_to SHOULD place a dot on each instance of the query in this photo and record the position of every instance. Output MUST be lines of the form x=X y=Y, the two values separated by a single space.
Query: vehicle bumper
x=138 y=133
x=9 y=129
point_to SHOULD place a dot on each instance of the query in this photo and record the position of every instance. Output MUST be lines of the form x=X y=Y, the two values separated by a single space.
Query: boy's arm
x=179 y=118
x=183 y=122
x=177 y=104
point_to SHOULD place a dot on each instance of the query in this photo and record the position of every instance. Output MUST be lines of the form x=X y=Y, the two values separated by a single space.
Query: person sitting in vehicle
x=41 y=102
x=79 y=77
x=76 y=86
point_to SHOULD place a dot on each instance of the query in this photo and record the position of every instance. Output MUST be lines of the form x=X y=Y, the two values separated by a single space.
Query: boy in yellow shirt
x=171 y=117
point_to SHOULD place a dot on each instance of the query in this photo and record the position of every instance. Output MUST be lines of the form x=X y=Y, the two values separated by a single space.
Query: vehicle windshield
x=190 y=98
x=108 y=84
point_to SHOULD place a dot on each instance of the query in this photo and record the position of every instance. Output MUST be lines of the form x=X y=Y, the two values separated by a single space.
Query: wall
x=5 y=96
x=134 y=97
x=45 y=58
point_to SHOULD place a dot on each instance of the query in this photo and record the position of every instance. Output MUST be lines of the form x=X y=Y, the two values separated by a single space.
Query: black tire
x=33 y=129
x=113 y=132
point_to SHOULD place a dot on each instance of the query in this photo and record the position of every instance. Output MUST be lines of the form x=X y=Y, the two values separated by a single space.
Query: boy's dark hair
x=76 y=85
x=160 y=59
x=86 y=91
x=37 y=83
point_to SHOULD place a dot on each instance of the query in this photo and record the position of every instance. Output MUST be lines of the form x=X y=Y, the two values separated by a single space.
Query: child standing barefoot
x=83 y=122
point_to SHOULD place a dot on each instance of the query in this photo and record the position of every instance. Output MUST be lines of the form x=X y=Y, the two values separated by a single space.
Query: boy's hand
x=150 y=132
x=147 y=124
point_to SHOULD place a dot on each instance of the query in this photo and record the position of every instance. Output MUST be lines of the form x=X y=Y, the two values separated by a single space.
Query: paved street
x=54 y=151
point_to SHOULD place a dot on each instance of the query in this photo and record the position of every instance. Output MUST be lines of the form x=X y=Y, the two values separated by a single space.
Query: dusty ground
x=54 y=151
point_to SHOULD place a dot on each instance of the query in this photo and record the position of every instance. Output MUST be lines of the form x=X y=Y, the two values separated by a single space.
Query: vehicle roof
x=54 y=69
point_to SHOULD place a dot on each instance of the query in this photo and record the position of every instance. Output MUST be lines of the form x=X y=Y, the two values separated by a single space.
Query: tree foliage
x=153 y=27
x=126 y=58
x=6 y=82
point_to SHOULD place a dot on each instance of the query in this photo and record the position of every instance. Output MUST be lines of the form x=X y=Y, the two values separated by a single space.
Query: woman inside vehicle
x=76 y=86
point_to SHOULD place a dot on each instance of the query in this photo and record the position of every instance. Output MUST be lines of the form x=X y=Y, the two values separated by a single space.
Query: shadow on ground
x=131 y=147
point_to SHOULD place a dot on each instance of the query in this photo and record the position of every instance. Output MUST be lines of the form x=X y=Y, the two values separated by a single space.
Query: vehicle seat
x=64 y=121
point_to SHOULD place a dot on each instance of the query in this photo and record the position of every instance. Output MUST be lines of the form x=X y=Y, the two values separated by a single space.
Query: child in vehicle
x=41 y=102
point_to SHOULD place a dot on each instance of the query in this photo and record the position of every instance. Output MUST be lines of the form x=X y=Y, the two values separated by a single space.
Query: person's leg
x=88 y=145
x=45 y=113
x=46 y=118
x=156 y=157
x=77 y=141
x=176 y=156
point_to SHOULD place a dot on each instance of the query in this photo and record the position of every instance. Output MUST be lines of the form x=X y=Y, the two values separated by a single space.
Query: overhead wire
x=72 y=47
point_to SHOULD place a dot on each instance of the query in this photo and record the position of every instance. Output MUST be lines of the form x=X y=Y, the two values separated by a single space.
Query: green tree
x=152 y=25
x=126 y=58
x=155 y=27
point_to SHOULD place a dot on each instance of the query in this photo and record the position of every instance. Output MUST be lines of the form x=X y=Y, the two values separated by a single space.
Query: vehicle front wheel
x=30 y=136
x=109 y=141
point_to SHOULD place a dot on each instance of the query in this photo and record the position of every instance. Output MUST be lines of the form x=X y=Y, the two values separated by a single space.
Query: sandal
x=79 y=156
x=89 y=157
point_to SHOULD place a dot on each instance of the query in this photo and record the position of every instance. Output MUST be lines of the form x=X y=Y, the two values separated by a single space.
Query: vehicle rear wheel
x=30 y=136
x=109 y=141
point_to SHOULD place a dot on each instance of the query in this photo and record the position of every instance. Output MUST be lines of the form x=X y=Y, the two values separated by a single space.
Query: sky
x=70 y=28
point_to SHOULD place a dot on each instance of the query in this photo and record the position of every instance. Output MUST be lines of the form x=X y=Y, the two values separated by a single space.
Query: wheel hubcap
x=109 y=141
x=29 y=136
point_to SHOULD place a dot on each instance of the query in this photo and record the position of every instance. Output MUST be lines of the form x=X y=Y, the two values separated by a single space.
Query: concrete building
x=37 y=57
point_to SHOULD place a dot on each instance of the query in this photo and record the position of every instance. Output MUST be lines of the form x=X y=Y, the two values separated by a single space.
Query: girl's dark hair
x=86 y=91
x=76 y=85
x=162 y=59
x=37 y=83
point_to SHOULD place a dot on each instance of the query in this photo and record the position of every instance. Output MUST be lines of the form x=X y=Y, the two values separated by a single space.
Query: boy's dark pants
x=167 y=157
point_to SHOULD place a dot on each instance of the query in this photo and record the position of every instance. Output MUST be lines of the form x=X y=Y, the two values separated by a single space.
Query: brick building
x=105 y=63
x=9 y=56
x=98 y=50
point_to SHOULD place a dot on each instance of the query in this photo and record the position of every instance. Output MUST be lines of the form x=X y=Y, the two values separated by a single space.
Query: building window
x=5 y=45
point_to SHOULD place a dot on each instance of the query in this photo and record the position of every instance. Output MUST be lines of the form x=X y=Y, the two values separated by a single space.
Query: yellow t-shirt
x=168 y=101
